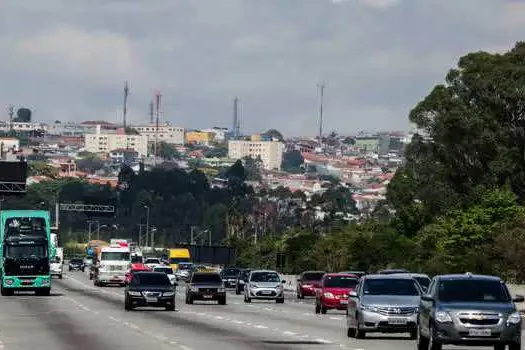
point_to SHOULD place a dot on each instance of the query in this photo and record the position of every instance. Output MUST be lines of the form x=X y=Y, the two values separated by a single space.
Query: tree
x=168 y=151
x=292 y=162
x=23 y=115
x=274 y=134
x=42 y=169
x=473 y=137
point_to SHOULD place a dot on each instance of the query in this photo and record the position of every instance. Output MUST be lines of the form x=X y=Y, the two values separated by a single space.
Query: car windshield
x=76 y=261
x=25 y=226
x=423 y=281
x=166 y=270
x=244 y=275
x=473 y=291
x=26 y=251
x=151 y=279
x=152 y=261
x=206 y=278
x=230 y=272
x=390 y=286
x=313 y=276
x=340 y=282
x=115 y=256
x=265 y=277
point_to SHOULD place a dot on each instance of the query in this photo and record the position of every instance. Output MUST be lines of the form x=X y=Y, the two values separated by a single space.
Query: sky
x=68 y=60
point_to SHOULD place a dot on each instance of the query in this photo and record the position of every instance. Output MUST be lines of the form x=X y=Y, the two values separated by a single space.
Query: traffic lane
x=196 y=332
x=55 y=323
x=267 y=320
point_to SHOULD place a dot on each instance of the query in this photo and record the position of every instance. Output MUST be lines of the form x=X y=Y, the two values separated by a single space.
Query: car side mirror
x=426 y=297
x=518 y=299
x=283 y=281
x=353 y=294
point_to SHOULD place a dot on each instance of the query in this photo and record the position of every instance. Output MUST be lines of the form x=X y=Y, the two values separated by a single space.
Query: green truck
x=26 y=248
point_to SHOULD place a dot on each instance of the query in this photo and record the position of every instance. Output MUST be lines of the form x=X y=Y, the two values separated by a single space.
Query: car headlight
x=370 y=308
x=442 y=317
x=45 y=281
x=514 y=318
x=194 y=289
x=307 y=285
x=135 y=294
x=328 y=295
x=168 y=294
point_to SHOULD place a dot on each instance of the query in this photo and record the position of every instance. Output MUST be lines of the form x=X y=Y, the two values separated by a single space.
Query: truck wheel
x=6 y=292
x=43 y=292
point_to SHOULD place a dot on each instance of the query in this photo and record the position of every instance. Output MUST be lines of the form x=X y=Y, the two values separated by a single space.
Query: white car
x=168 y=271
x=152 y=262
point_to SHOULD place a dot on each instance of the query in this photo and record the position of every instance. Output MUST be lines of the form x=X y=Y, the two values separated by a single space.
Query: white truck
x=56 y=265
x=111 y=266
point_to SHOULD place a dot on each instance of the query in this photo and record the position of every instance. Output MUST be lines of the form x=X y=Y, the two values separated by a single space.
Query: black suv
x=205 y=286
x=150 y=289
x=468 y=310
x=76 y=265
x=229 y=276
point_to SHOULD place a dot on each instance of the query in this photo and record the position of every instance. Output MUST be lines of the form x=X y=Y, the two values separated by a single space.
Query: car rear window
x=151 y=279
x=313 y=276
x=472 y=290
x=340 y=282
x=230 y=272
x=206 y=278
x=390 y=286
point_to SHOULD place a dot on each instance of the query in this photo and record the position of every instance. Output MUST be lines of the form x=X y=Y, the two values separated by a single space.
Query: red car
x=308 y=282
x=334 y=291
x=135 y=268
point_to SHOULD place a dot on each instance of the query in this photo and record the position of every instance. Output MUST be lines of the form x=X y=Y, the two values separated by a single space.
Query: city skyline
x=70 y=62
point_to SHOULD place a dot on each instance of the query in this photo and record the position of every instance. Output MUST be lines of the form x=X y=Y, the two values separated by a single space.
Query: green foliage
x=292 y=162
x=41 y=169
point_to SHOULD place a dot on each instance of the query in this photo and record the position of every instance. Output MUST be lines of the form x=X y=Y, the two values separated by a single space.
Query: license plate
x=397 y=321
x=344 y=302
x=208 y=296
x=266 y=292
x=479 y=332
x=152 y=300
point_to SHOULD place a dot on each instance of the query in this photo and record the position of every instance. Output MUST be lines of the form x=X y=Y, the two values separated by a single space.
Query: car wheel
x=323 y=309
x=6 y=292
x=222 y=301
x=422 y=342
x=515 y=346
x=433 y=345
x=280 y=300
x=350 y=332
x=43 y=291
x=171 y=307
x=128 y=306
x=413 y=335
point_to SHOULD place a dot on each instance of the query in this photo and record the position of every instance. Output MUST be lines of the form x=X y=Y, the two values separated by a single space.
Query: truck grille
x=392 y=310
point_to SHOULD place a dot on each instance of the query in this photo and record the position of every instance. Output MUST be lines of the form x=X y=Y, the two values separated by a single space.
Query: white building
x=166 y=133
x=220 y=133
x=105 y=143
x=9 y=144
x=271 y=152
x=22 y=126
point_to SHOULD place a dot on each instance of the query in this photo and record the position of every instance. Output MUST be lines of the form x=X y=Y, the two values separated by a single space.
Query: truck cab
x=178 y=255
x=111 y=266
x=57 y=263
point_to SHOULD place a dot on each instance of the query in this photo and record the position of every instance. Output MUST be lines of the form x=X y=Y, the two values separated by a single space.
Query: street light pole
x=147 y=223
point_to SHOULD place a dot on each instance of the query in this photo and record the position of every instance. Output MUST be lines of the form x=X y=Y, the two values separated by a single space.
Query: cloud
x=69 y=60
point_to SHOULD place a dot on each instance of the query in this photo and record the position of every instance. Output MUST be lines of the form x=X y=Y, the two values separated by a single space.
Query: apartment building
x=200 y=137
x=166 y=133
x=105 y=143
x=271 y=152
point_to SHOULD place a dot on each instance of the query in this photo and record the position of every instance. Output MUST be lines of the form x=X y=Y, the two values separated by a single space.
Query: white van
x=57 y=263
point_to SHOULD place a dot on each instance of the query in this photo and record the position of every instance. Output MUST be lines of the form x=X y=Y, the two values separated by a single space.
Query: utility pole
x=321 y=87
x=235 y=118
x=147 y=223
x=157 y=97
x=11 y=112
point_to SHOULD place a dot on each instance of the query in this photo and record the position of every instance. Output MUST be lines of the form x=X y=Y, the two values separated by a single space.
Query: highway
x=80 y=316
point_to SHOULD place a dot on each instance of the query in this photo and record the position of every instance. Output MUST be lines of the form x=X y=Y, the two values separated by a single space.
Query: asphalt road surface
x=80 y=316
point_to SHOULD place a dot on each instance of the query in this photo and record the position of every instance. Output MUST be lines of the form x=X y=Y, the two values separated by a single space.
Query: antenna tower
x=235 y=129
x=158 y=97
x=321 y=87
x=11 y=112
x=125 y=107
x=151 y=112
